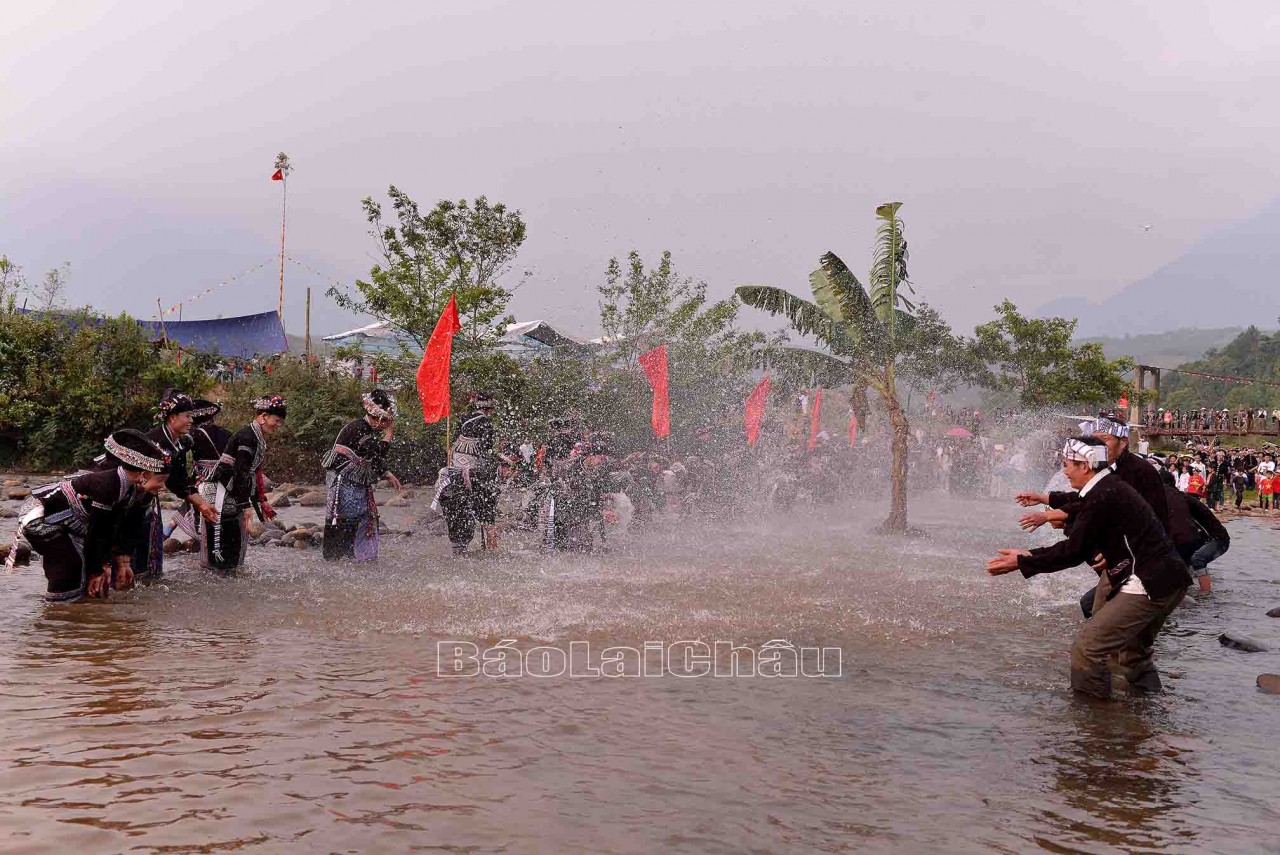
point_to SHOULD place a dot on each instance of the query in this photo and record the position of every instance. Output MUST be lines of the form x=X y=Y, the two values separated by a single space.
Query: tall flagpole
x=284 y=207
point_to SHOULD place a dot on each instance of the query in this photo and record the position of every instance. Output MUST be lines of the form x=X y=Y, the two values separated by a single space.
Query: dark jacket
x=1138 y=474
x=359 y=453
x=1113 y=519
x=182 y=480
x=1190 y=522
x=92 y=505
x=238 y=466
x=208 y=443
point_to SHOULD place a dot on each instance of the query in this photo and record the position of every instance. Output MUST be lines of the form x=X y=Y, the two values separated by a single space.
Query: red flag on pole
x=433 y=373
x=853 y=430
x=278 y=175
x=654 y=363
x=754 y=414
x=1123 y=403
x=815 y=420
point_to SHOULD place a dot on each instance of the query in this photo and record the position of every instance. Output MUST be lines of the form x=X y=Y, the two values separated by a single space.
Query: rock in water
x=1239 y=642
x=8 y=513
x=280 y=500
x=301 y=543
x=1269 y=683
x=312 y=500
x=396 y=502
x=18 y=493
x=1274 y=612
x=172 y=545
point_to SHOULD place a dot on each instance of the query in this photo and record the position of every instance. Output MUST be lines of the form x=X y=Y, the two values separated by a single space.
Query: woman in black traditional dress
x=235 y=487
x=76 y=524
x=352 y=468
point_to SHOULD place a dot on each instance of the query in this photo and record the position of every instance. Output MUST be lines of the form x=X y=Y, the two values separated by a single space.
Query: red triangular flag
x=754 y=413
x=278 y=176
x=433 y=373
x=814 y=420
x=654 y=363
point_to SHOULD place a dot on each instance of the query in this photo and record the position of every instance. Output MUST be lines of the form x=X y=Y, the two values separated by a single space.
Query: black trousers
x=64 y=565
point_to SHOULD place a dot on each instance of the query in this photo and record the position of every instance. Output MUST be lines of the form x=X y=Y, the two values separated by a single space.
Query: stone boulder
x=312 y=500
x=1274 y=612
x=172 y=545
x=396 y=502
x=22 y=558
x=18 y=493
x=298 y=492
x=1239 y=642
x=302 y=543
x=7 y=513
x=255 y=528
x=13 y=482
x=1269 y=683
x=279 y=500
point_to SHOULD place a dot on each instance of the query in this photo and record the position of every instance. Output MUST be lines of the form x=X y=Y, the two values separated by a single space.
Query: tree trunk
x=897 y=521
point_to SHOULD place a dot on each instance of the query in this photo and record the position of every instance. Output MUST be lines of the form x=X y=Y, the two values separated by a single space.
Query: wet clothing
x=77 y=527
x=1125 y=625
x=207 y=442
x=1138 y=474
x=1144 y=580
x=232 y=488
x=467 y=490
x=352 y=468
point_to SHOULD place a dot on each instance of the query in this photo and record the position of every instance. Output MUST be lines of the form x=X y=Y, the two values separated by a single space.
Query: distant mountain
x=1166 y=349
x=1229 y=278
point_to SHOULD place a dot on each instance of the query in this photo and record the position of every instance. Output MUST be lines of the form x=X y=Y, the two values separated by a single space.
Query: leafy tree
x=874 y=336
x=51 y=294
x=66 y=382
x=461 y=248
x=1034 y=360
x=708 y=356
x=12 y=280
x=1252 y=354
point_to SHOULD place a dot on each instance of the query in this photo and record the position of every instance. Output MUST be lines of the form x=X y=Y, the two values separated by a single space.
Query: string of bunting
x=1225 y=379
x=212 y=288
x=308 y=267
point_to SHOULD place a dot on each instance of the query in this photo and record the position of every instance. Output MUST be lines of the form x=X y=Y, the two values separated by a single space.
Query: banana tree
x=868 y=331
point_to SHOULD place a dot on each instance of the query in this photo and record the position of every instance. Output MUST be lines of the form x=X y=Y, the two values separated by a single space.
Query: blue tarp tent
x=244 y=336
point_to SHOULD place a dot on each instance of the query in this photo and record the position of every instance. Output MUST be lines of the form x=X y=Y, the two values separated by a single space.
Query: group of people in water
x=1124 y=516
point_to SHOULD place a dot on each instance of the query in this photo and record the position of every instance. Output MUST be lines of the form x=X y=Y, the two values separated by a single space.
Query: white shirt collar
x=1102 y=473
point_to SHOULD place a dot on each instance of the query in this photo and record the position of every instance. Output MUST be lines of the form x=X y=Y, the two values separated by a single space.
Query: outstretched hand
x=1029 y=499
x=1033 y=520
x=1005 y=562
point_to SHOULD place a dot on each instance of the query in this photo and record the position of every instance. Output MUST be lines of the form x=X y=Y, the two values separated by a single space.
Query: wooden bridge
x=1192 y=426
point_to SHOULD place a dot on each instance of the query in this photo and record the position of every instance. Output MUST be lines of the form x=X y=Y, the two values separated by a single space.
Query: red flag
x=853 y=430
x=1123 y=403
x=654 y=363
x=278 y=175
x=814 y=420
x=433 y=373
x=755 y=409
x=373 y=374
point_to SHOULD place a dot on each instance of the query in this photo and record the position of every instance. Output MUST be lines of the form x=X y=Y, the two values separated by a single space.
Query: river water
x=297 y=709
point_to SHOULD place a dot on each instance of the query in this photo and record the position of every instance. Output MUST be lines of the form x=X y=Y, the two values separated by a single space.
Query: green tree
x=461 y=248
x=708 y=357
x=12 y=281
x=874 y=336
x=1033 y=360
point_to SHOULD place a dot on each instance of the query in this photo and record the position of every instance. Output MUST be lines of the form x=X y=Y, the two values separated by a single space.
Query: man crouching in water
x=1143 y=582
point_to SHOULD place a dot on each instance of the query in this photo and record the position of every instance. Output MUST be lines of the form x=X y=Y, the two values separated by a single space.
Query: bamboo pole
x=284 y=207
x=307 y=340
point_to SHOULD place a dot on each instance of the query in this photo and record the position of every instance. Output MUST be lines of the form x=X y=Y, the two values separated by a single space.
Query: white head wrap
x=1105 y=425
x=1094 y=455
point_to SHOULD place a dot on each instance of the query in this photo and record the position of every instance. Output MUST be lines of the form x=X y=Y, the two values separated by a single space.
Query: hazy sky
x=1030 y=141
